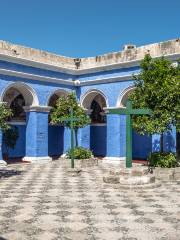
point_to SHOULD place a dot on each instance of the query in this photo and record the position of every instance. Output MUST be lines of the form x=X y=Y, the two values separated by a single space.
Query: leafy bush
x=163 y=160
x=80 y=153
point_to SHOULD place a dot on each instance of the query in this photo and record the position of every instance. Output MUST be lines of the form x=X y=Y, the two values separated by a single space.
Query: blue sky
x=80 y=28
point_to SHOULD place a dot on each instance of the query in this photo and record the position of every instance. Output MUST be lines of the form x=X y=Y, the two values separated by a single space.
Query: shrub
x=80 y=153
x=163 y=160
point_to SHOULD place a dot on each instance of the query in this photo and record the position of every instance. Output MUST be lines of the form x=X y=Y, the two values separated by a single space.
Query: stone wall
x=167 y=174
x=107 y=60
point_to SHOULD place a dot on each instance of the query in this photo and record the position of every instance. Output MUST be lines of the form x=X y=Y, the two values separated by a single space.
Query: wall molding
x=68 y=70
x=35 y=77
x=75 y=82
x=17 y=123
x=37 y=109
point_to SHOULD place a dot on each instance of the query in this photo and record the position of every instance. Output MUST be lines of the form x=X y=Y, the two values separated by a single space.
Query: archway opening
x=17 y=96
x=95 y=102
x=55 y=132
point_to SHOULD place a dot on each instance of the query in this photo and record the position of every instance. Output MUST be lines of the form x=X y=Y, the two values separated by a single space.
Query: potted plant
x=83 y=157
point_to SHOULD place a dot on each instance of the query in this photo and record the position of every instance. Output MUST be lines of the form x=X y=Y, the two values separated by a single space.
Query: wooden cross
x=71 y=119
x=129 y=111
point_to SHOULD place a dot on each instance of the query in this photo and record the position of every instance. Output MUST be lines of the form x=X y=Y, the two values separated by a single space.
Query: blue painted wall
x=169 y=142
x=19 y=150
x=55 y=140
x=36 y=134
x=110 y=141
x=98 y=140
x=141 y=145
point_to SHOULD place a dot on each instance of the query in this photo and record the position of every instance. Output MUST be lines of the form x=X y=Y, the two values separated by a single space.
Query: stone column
x=2 y=162
x=84 y=138
x=67 y=139
x=116 y=137
x=37 y=134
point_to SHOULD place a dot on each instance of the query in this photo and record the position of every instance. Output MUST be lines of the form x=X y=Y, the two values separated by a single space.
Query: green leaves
x=62 y=109
x=157 y=88
x=80 y=153
x=164 y=160
x=10 y=137
x=5 y=114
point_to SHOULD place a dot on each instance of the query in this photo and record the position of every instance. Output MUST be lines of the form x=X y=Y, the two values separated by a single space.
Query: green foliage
x=157 y=88
x=10 y=137
x=5 y=114
x=62 y=109
x=164 y=160
x=80 y=153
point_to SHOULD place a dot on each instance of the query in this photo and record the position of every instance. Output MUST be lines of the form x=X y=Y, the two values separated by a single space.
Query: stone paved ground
x=42 y=201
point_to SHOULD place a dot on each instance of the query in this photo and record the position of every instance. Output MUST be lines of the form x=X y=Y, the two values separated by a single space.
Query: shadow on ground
x=6 y=173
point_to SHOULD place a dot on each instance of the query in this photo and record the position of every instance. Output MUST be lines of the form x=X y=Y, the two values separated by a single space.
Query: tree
x=5 y=114
x=10 y=137
x=62 y=109
x=157 y=88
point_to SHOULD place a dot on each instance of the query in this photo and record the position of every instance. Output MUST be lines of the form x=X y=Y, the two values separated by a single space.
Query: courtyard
x=45 y=202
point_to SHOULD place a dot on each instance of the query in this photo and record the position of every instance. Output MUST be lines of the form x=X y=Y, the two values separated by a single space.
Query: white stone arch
x=89 y=96
x=58 y=92
x=12 y=90
x=122 y=99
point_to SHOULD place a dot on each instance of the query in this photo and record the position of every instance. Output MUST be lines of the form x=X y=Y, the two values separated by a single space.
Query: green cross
x=128 y=111
x=71 y=119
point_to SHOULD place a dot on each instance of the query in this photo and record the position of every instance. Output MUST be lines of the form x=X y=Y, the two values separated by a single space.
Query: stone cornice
x=126 y=58
x=37 y=108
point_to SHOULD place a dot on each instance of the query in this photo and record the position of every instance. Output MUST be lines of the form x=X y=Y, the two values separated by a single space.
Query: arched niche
x=123 y=97
x=17 y=96
x=55 y=95
x=94 y=102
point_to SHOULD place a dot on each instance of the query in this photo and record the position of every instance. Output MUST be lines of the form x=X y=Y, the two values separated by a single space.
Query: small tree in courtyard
x=5 y=114
x=10 y=134
x=157 y=88
x=10 y=138
x=62 y=109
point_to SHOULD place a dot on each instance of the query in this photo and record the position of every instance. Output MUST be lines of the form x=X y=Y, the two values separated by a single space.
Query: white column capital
x=37 y=108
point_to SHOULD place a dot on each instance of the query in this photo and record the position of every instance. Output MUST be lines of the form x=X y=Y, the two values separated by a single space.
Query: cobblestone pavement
x=43 y=201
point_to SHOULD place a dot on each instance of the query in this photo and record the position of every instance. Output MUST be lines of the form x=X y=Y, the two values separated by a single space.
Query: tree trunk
x=161 y=143
x=178 y=146
x=76 y=137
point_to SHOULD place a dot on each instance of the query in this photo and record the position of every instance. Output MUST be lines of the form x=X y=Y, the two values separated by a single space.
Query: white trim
x=35 y=77
x=109 y=108
x=64 y=82
x=17 y=123
x=37 y=108
x=122 y=94
x=106 y=80
x=98 y=124
x=83 y=97
x=74 y=82
x=57 y=91
x=37 y=159
x=19 y=86
x=68 y=70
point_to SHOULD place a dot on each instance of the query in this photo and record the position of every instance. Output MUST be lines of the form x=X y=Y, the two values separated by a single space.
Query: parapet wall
x=168 y=48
